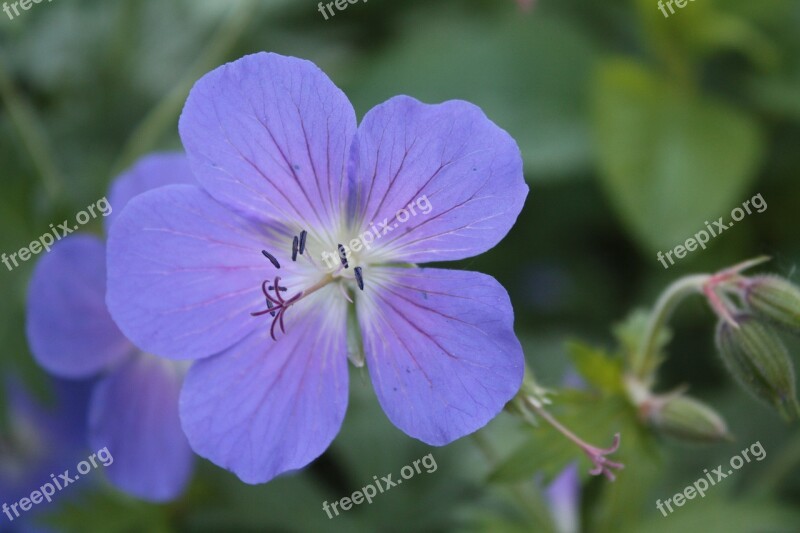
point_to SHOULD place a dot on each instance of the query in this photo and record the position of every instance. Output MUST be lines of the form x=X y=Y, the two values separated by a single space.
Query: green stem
x=645 y=360
x=151 y=128
x=32 y=136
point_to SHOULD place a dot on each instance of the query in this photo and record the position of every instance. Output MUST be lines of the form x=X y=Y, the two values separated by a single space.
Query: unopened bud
x=775 y=299
x=688 y=419
x=754 y=353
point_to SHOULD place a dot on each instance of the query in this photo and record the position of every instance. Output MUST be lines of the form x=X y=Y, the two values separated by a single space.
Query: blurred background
x=635 y=129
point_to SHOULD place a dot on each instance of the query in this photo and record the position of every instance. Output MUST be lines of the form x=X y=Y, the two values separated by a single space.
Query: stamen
x=295 y=244
x=359 y=278
x=343 y=256
x=271 y=258
x=303 y=235
x=277 y=306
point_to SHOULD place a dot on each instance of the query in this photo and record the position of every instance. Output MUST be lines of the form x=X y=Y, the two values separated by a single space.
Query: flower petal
x=270 y=136
x=440 y=348
x=184 y=273
x=149 y=172
x=134 y=415
x=263 y=408
x=69 y=329
x=458 y=171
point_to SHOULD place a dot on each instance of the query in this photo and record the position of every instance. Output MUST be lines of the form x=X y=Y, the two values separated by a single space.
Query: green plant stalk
x=150 y=129
x=32 y=136
x=645 y=360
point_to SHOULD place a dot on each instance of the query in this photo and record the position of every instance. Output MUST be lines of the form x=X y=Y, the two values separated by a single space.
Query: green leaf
x=701 y=30
x=109 y=512
x=529 y=75
x=547 y=452
x=630 y=332
x=596 y=367
x=544 y=453
x=669 y=159
x=721 y=517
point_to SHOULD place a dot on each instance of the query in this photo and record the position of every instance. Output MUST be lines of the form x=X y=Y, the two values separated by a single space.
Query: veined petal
x=69 y=329
x=440 y=348
x=263 y=407
x=149 y=172
x=134 y=414
x=270 y=136
x=457 y=175
x=184 y=272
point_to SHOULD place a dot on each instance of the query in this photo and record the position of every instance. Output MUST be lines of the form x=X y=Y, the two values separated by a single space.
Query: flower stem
x=32 y=136
x=163 y=115
x=596 y=455
x=644 y=360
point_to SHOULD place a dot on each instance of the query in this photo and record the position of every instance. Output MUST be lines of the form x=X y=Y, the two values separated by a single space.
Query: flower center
x=277 y=305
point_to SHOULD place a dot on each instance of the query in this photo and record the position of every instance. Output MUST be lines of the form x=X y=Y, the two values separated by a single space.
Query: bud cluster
x=749 y=334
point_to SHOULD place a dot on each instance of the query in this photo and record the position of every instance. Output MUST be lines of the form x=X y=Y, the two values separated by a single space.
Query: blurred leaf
x=612 y=506
x=778 y=91
x=547 y=452
x=596 y=367
x=292 y=502
x=631 y=331
x=109 y=512
x=669 y=159
x=779 y=96
x=542 y=454
x=713 y=516
x=528 y=74
x=700 y=30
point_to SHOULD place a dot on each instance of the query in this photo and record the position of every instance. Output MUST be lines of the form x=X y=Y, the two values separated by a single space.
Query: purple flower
x=42 y=440
x=214 y=274
x=564 y=495
x=134 y=406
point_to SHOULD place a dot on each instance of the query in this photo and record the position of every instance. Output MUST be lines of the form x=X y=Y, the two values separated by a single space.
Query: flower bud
x=688 y=419
x=775 y=299
x=754 y=353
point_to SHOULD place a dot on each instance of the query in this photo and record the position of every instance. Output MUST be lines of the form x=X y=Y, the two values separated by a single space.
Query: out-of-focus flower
x=287 y=174
x=134 y=406
x=42 y=440
x=564 y=497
